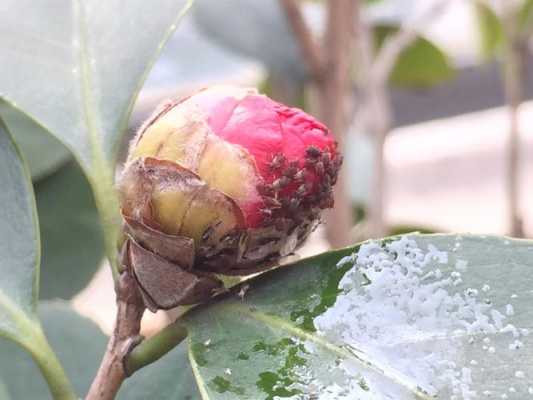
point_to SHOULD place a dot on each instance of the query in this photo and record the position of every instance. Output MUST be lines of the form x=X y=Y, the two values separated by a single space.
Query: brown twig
x=513 y=77
x=376 y=68
x=310 y=49
x=335 y=95
x=125 y=336
x=329 y=63
x=374 y=114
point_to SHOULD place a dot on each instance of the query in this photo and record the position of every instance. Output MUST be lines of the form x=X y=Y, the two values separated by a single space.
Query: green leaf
x=526 y=16
x=421 y=64
x=490 y=29
x=457 y=319
x=72 y=245
x=80 y=346
x=45 y=154
x=19 y=243
x=76 y=67
x=269 y=37
x=4 y=395
x=19 y=267
x=72 y=242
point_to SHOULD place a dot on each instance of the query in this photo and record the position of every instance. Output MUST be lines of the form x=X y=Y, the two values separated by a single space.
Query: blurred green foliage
x=490 y=29
x=71 y=235
x=421 y=64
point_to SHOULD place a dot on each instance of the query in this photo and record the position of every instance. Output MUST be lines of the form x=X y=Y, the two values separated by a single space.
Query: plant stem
x=329 y=66
x=51 y=369
x=311 y=51
x=112 y=371
x=152 y=349
x=107 y=204
x=376 y=114
x=334 y=95
x=513 y=76
x=380 y=126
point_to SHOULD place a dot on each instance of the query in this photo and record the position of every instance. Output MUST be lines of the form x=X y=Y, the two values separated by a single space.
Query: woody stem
x=112 y=371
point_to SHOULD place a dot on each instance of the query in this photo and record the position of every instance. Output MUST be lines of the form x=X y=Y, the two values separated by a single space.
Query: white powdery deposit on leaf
x=399 y=308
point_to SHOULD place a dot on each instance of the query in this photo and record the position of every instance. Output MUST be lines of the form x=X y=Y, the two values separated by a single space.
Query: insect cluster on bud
x=225 y=182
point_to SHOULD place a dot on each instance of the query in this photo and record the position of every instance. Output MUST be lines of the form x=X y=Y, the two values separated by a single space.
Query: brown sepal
x=177 y=249
x=163 y=284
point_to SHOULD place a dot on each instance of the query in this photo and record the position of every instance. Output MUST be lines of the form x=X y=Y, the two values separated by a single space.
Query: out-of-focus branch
x=335 y=95
x=310 y=49
x=329 y=63
x=375 y=117
x=513 y=76
x=366 y=82
x=376 y=68
x=339 y=50
x=374 y=114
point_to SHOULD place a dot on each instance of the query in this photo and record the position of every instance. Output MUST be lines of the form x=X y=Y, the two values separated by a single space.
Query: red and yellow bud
x=226 y=181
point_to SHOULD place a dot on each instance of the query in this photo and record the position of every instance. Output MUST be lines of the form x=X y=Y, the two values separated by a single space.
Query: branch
x=155 y=347
x=125 y=336
x=514 y=71
x=407 y=34
x=310 y=49
x=334 y=95
x=377 y=68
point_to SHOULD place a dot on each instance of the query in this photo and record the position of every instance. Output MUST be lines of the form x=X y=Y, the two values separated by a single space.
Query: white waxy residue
x=410 y=315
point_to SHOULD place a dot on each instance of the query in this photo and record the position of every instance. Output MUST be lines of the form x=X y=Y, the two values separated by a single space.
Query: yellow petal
x=178 y=135
x=212 y=212
x=229 y=169
x=170 y=206
x=182 y=204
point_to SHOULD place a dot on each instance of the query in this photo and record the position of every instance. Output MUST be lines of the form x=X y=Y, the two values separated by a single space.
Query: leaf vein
x=352 y=353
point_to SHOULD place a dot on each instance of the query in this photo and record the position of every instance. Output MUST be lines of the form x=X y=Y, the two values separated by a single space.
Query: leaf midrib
x=24 y=324
x=90 y=111
x=202 y=387
x=355 y=354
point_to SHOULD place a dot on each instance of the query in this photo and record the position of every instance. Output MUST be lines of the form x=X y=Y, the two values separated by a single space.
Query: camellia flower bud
x=225 y=182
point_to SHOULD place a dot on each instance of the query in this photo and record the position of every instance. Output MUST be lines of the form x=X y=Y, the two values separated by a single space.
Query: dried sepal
x=179 y=135
x=259 y=249
x=177 y=202
x=164 y=284
x=177 y=249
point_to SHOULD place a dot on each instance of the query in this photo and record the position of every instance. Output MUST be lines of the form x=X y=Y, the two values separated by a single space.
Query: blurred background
x=429 y=100
x=433 y=129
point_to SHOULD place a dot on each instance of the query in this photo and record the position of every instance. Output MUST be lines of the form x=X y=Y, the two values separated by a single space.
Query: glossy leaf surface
x=19 y=243
x=72 y=241
x=44 y=153
x=92 y=69
x=75 y=68
x=438 y=316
